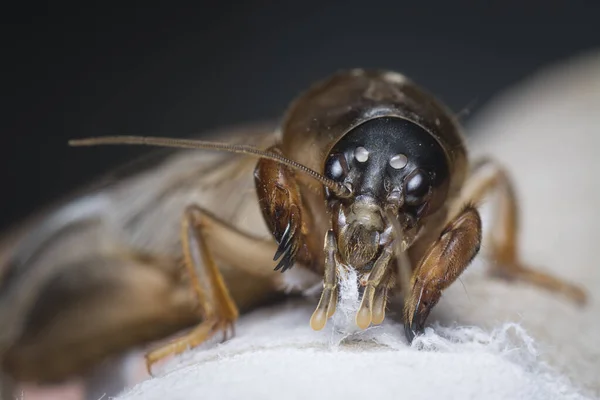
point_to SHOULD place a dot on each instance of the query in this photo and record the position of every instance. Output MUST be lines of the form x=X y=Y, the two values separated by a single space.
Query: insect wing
x=102 y=273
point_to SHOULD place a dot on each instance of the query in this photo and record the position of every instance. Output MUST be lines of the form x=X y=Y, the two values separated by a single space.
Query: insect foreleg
x=486 y=178
x=286 y=215
x=442 y=264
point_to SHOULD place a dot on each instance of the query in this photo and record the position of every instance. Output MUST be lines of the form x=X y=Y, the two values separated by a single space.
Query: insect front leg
x=441 y=265
x=488 y=177
x=287 y=217
x=203 y=236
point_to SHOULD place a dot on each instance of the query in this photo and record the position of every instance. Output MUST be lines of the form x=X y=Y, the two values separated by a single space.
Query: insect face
x=389 y=164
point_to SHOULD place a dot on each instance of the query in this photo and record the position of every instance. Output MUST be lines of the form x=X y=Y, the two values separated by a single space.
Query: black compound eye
x=417 y=187
x=337 y=167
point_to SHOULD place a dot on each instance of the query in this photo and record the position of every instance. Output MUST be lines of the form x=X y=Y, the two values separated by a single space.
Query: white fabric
x=488 y=339
x=277 y=356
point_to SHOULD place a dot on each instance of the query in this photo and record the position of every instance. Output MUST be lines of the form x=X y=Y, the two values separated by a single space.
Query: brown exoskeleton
x=366 y=171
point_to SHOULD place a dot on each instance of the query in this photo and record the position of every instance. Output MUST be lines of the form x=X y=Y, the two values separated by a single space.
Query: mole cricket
x=366 y=171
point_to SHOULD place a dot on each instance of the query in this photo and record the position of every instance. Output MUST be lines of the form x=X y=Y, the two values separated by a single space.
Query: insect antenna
x=337 y=188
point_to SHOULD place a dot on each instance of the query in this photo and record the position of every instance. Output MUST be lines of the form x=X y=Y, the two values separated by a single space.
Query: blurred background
x=73 y=71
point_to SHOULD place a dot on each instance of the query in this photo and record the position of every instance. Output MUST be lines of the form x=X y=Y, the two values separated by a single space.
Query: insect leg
x=231 y=246
x=287 y=217
x=487 y=176
x=441 y=265
x=217 y=309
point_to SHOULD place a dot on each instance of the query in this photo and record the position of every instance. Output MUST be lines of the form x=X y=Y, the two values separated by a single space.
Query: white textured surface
x=489 y=339
x=276 y=355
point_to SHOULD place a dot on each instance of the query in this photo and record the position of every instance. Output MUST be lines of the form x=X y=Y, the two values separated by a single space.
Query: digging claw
x=417 y=309
x=410 y=333
x=414 y=328
x=284 y=242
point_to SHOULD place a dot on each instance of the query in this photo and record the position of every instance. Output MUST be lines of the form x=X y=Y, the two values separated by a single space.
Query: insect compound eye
x=417 y=187
x=337 y=167
x=398 y=161
x=361 y=154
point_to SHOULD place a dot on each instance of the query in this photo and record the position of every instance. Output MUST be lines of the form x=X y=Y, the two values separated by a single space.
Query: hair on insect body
x=367 y=172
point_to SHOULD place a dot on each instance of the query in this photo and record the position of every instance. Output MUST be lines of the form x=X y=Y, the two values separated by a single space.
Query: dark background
x=73 y=72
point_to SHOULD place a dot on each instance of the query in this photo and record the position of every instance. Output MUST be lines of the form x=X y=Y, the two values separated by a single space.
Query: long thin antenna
x=337 y=188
